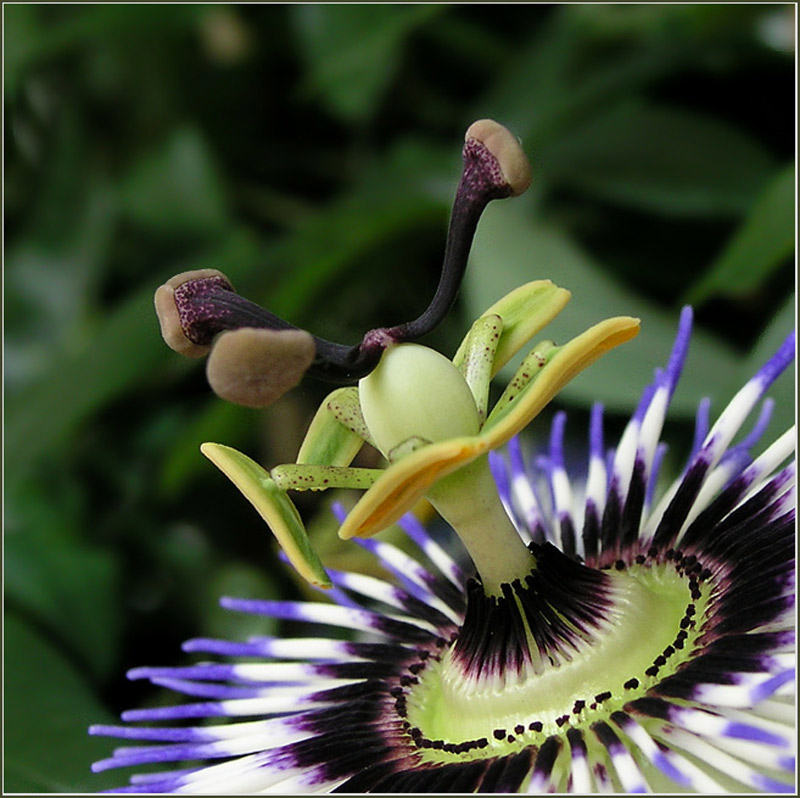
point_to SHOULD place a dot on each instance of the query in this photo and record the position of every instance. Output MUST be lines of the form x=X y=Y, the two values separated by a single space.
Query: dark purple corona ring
x=650 y=646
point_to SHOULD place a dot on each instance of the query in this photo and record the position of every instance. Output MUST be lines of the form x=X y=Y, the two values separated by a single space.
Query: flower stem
x=469 y=502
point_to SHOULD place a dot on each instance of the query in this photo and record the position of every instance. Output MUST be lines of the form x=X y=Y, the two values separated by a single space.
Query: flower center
x=525 y=667
x=416 y=397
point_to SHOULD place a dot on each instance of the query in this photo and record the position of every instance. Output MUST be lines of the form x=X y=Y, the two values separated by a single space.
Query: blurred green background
x=311 y=153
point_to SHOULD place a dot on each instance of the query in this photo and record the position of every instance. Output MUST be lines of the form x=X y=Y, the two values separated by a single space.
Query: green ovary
x=648 y=607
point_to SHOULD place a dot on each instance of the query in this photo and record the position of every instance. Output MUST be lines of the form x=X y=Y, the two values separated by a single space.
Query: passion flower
x=601 y=632
x=639 y=638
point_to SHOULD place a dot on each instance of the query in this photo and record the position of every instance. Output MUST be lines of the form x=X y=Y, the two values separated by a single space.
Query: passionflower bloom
x=600 y=631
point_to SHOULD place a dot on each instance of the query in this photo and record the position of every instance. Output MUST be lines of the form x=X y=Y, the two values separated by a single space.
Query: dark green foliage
x=310 y=152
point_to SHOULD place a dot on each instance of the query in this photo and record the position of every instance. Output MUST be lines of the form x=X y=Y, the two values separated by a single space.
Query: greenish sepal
x=525 y=311
x=530 y=368
x=317 y=477
x=337 y=431
x=478 y=358
x=274 y=506
x=406 y=447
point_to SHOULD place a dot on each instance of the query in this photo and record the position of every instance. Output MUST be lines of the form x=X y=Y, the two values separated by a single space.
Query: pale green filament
x=469 y=502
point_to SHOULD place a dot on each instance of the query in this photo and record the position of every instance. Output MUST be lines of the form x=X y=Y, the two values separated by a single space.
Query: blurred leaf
x=70 y=588
x=662 y=159
x=46 y=747
x=51 y=279
x=511 y=249
x=218 y=420
x=784 y=389
x=759 y=246
x=118 y=354
x=548 y=88
x=125 y=347
x=466 y=38
x=176 y=189
x=29 y=37
x=65 y=182
x=528 y=90
x=643 y=21
x=408 y=187
x=240 y=580
x=352 y=51
x=20 y=34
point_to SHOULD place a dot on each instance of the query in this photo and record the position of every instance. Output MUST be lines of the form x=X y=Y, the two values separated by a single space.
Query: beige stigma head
x=505 y=147
x=254 y=367
x=169 y=318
